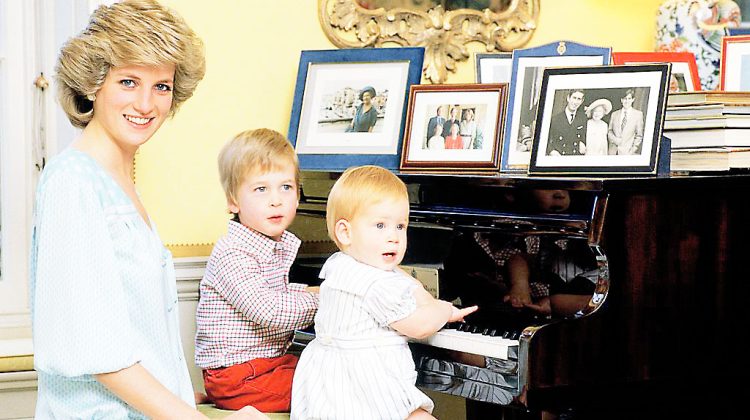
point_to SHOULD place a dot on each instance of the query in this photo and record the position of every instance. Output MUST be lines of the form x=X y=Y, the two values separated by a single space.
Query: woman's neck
x=115 y=159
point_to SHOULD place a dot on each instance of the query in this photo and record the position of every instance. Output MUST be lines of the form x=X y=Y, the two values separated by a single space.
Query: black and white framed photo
x=493 y=67
x=454 y=127
x=349 y=106
x=525 y=87
x=600 y=120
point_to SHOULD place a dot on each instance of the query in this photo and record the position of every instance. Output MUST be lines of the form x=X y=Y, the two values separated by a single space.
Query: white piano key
x=467 y=342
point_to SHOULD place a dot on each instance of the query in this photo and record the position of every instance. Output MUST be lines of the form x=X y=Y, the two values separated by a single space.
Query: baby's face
x=378 y=234
x=552 y=201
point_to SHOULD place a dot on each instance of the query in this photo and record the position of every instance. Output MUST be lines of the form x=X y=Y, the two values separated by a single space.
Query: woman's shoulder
x=70 y=165
x=75 y=172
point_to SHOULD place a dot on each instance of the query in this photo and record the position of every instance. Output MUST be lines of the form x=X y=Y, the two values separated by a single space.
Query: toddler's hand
x=247 y=413
x=458 y=314
x=543 y=306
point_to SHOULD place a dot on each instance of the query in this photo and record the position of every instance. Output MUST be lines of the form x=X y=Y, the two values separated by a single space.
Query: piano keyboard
x=475 y=343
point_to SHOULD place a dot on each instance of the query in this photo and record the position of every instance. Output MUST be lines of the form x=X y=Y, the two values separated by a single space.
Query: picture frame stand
x=664 y=164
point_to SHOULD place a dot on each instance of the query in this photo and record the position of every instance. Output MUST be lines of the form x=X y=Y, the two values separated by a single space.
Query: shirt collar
x=260 y=244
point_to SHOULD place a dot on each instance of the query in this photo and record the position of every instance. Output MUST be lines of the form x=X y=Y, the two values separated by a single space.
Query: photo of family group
x=597 y=122
x=455 y=127
x=347 y=109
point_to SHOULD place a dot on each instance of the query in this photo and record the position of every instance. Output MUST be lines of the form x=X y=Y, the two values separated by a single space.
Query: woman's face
x=454 y=129
x=367 y=98
x=133 y=102
x=597 y=113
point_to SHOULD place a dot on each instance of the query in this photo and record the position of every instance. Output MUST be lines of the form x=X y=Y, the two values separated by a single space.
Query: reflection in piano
x=632 y=287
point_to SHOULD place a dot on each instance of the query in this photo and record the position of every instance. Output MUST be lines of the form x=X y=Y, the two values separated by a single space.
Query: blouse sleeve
x=390 y=299
x=81 y=323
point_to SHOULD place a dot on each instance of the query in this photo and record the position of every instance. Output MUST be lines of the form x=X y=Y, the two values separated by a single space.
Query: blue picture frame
x=329 y=83
x=738 y=31
x=525 y=90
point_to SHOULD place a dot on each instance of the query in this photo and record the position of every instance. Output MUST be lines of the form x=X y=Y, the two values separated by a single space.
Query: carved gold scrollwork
x=443 y=34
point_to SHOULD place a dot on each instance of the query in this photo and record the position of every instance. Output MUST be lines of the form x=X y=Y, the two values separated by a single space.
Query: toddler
x=359 y=365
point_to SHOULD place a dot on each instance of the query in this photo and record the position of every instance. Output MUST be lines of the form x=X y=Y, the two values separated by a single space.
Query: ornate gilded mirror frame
x=443 y=34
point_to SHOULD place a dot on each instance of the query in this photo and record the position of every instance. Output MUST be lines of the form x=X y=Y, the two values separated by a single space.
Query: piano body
x=662 y=325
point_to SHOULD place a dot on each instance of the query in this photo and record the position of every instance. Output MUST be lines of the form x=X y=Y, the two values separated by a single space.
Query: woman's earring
x=91 y=97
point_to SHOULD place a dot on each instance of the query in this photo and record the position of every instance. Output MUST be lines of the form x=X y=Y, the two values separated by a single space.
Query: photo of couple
x=583 y=122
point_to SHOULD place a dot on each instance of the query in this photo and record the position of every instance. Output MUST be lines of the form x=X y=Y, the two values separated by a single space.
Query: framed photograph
x=525 y=87
x=600 y=120
x=493 y=67
x=349 y=106
x=735 y=63
x=684 y=76
x=454 y=127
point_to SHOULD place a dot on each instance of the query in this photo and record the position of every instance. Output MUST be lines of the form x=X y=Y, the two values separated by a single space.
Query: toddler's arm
x=430 y=316
x=240 y=281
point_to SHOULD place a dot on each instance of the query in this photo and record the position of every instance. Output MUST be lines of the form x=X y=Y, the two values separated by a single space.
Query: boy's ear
x=343 y=231
x=232 y=206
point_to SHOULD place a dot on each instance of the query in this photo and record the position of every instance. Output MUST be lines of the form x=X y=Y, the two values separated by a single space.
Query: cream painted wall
x=253 y=51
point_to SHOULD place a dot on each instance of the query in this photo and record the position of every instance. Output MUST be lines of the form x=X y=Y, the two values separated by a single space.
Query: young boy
x=248 y=310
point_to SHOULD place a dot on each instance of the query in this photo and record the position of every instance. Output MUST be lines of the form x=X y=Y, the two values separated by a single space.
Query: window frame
x=17 y=59
x=32 y=129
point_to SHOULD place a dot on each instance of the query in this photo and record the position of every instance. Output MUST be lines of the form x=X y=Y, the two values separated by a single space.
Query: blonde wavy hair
x=131 y=32
x=254 y=152
x=358 y=188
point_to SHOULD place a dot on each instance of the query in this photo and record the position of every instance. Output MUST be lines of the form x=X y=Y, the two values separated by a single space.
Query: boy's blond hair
x=254 y=151
x=358 y=188
x=134 y=32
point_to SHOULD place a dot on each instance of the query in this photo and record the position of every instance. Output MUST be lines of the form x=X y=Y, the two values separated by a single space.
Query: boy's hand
x=312 y=289
x=247 y=413
x=458 y=314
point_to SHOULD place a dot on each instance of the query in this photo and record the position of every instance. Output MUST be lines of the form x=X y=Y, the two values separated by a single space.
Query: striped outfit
x=357 y=366
x=247 y=313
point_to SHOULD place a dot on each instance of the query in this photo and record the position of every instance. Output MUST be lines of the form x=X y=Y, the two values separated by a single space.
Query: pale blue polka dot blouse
x=103 y=293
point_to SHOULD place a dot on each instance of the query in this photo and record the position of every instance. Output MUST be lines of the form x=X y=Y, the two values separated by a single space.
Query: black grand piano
x=661 y=330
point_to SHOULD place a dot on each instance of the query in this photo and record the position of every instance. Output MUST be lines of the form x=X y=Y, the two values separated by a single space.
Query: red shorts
x=266 y=384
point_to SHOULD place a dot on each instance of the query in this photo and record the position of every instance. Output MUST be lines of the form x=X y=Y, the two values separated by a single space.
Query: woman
x=596 y=129
x=103 y=293
x=468 y=130
x=454 y=141
x=436 y=142
x=366 y=115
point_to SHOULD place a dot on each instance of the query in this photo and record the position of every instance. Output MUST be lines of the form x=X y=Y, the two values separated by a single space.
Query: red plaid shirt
x=247 y=308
